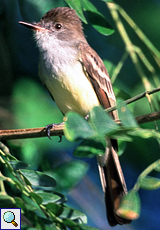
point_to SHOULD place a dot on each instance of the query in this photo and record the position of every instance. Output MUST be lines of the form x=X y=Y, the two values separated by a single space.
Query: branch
x=148 y=117
x=30 y=133
x=58 y=129
x=136 y=98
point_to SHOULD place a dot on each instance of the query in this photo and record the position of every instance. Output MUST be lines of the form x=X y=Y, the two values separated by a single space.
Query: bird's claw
x=48 y=130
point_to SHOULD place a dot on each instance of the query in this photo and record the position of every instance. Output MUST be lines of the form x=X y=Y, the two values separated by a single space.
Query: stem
x=134 y=51
x=136 y=98
x=119 y=66
x=140 y=34
x=148 y=170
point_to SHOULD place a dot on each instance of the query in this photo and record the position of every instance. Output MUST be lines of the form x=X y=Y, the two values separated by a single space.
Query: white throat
x=55 y=52
x=62 y=72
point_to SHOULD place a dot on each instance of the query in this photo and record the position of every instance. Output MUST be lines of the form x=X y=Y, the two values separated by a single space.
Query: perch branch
x=58 y=129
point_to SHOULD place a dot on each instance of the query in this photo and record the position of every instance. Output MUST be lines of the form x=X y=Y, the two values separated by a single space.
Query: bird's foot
x=52 y=126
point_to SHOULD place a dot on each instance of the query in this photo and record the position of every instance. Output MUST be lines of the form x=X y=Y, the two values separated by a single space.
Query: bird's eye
x=58 y=26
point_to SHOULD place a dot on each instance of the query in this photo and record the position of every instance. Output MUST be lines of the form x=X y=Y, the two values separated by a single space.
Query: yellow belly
x=71 y=90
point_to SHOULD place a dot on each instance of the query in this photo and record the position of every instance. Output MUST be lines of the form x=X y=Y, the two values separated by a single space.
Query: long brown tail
x=113 y=184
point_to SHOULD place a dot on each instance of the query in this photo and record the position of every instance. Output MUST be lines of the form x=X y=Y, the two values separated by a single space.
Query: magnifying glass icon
x=9 y=217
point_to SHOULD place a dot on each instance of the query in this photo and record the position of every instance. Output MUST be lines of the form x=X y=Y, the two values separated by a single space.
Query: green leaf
x=76 y=5
x=126 y=117
x=10 y=157
x=121 y=147
x=30 y=204
x=157 y=168
x=16 y=165
x=107 y=1
x=74 y=226
x=73 y=214
x=90 y=148
x=69 y=174
x=145 y=133
x=52 y=227
x=85 y=227
x=38 y=178
x=48 y=197
x=102 y=122
x=149 y=183
x=130 y=206
x=20 y=203
x=71 y=224
x=19 y=185
x=56 y=209
x=36 y=197
x=34 y=210
x=97 y=19
x=31 y=229
x=121 y=135
x=6 y=201
x=8 y=165
x=76 y=127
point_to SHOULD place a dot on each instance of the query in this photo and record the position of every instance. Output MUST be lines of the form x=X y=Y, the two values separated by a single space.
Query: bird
x=78 y=80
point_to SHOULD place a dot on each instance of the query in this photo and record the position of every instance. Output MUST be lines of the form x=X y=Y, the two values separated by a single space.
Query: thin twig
x=133 y=99
x=119 y=66
x=140 y=34
x=130 y=47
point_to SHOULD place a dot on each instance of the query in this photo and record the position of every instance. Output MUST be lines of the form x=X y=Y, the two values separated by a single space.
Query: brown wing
x=98 y=76
x=111 y=175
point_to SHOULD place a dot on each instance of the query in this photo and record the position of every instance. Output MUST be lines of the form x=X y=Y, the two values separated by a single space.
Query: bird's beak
x=33 y=26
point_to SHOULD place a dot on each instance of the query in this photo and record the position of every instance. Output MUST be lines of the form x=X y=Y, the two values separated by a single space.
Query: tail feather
x=113 y=184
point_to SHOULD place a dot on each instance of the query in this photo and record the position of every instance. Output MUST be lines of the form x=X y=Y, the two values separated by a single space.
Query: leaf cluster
x=93 y=135
x=101 y=126
x=34 y=192
x=97 y=19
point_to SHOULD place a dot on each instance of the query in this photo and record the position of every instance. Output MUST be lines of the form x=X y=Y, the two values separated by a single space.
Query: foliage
x=93 y=135
x=98 y=21
x=43 y=207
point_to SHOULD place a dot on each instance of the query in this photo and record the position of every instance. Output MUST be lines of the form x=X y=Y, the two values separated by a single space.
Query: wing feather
x=98 y=76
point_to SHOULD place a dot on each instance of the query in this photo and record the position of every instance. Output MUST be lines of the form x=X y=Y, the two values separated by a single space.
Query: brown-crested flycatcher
x=77 y=79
